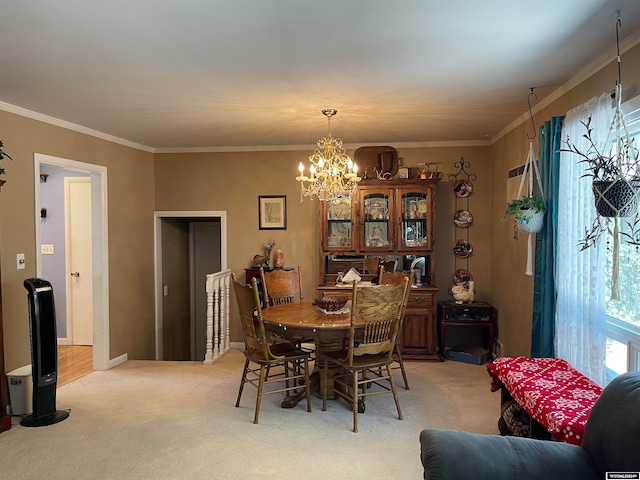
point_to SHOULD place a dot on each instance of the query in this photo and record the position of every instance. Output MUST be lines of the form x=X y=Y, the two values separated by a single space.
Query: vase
x=267 y=255
x=278 y=258
x=616 y=198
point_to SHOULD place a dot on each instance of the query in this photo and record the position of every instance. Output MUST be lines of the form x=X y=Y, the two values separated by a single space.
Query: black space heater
x=44 y=355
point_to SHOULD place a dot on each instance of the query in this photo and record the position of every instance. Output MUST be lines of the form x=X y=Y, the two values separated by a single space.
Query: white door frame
x=99 y=247
x=157 y=248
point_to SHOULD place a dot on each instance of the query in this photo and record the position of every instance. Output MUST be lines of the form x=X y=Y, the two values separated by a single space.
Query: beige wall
x=130 y=207
x=232 y=182
x=139 y=183
x=511 y=290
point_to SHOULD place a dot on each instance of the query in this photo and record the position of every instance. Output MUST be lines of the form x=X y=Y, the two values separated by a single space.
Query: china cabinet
x=388 y=221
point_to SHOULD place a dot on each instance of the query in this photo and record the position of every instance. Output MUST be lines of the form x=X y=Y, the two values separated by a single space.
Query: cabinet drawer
x=421 y=299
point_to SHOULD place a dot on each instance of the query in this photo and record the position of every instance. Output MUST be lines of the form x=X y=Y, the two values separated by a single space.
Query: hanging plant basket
x=528 y=212
x=615 y=183
x=616 y=198
x=529 y=220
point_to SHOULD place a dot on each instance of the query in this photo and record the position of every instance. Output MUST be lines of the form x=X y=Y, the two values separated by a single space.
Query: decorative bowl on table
x=331 y=303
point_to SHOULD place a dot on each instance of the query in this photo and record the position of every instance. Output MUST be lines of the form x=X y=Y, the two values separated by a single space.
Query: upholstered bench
x=551 y=392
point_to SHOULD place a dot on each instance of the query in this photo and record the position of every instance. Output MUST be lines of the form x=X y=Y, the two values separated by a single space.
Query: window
x=623 y=314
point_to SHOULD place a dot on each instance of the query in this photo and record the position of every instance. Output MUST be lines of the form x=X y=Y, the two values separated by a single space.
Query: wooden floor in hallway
x=74 y=361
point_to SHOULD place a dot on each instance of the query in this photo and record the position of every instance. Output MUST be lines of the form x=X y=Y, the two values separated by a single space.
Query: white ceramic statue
x=463 y=294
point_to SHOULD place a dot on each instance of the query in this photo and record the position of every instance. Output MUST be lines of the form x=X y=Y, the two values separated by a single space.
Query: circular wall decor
x=463 y=188
x=462 y=218
x=462 y=249
x=462 y=277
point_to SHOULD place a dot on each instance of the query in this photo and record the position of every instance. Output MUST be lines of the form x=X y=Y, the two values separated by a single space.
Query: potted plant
x=615 y=182
x=528 y=213
x=2 y=155
x=614 y=175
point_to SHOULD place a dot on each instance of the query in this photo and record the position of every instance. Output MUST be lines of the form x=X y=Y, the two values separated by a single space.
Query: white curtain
x=580 y=316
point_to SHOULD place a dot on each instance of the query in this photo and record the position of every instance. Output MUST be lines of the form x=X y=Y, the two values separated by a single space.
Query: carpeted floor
x=177 y=420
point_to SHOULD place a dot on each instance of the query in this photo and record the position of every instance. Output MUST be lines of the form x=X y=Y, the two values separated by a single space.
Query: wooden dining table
x=304 y=320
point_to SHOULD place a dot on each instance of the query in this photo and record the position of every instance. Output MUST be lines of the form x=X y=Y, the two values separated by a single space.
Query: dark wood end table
x=474 y=314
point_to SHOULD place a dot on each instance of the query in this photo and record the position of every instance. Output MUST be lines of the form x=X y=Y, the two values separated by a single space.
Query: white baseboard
x=114 y=362
x=237 y=345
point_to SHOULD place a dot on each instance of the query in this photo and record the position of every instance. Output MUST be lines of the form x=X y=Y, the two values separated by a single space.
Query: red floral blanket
x=550 y=390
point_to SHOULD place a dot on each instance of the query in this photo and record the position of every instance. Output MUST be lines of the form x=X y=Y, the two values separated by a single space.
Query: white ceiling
x=239 y=74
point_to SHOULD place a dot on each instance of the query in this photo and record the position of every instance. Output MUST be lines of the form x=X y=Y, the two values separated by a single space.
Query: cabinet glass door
x=414 y=224
x=339 y=224
x=376 y=232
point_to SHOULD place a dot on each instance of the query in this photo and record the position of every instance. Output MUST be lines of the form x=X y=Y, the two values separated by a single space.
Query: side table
x=475 y=314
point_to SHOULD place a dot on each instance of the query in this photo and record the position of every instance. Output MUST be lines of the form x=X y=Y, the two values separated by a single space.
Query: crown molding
x=23 y=112
x=591 y=69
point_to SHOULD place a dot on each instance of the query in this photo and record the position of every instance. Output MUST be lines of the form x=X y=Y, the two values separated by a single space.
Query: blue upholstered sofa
x=611 y=444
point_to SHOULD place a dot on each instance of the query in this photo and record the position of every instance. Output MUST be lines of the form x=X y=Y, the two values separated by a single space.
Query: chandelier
x=333 y=176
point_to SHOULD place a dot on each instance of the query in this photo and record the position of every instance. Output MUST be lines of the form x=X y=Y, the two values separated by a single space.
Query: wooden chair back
x=393 y=278
x=255 y=339
x=371 y=265
x=389 y=265
x=381 y=308
x=281 y=286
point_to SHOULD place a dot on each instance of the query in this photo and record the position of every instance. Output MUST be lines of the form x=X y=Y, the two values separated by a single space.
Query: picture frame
x=272 y=212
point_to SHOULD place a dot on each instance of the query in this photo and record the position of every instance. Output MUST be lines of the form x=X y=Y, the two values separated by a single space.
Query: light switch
x=165 y=290
x=46 y=249
x=20 y=262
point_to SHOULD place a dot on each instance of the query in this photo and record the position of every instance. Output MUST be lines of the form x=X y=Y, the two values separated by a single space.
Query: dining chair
x=389 y=265
x=371 y=265
x=397 y=278
x=262 y=355
x=367 y=357
x=281 y=286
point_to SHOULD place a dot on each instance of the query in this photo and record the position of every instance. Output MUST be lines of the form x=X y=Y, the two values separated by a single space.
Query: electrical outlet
x=46 y=249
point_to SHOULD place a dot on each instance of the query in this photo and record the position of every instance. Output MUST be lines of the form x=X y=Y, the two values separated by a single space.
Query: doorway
x=79 y=277
x=204 y=259
x=182 y=241
x=97 y=176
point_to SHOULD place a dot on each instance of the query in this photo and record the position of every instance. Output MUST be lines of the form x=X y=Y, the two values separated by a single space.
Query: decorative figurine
x=463 y=294
x=260 y=261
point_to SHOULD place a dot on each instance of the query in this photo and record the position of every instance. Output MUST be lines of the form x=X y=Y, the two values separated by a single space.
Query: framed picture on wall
x=272 y=212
